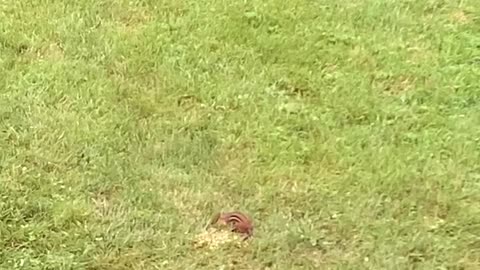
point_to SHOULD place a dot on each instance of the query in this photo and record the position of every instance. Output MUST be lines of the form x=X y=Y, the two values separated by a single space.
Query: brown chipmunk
x=237 y=221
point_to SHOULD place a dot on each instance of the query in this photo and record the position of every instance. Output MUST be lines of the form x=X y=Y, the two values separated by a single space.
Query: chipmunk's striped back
x=238 y=222
x=235 y=217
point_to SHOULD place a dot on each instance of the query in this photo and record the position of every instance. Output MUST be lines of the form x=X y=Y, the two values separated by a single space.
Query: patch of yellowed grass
x=214 y=238
x=459 y=17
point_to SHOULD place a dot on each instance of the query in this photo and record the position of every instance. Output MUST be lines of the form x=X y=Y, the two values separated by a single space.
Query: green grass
x=349 y=131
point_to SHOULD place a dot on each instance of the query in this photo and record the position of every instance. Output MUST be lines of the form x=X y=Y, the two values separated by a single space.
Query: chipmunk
x=237 y=221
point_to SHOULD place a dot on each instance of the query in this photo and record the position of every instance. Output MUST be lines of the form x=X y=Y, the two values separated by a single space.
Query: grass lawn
x=348 y=130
